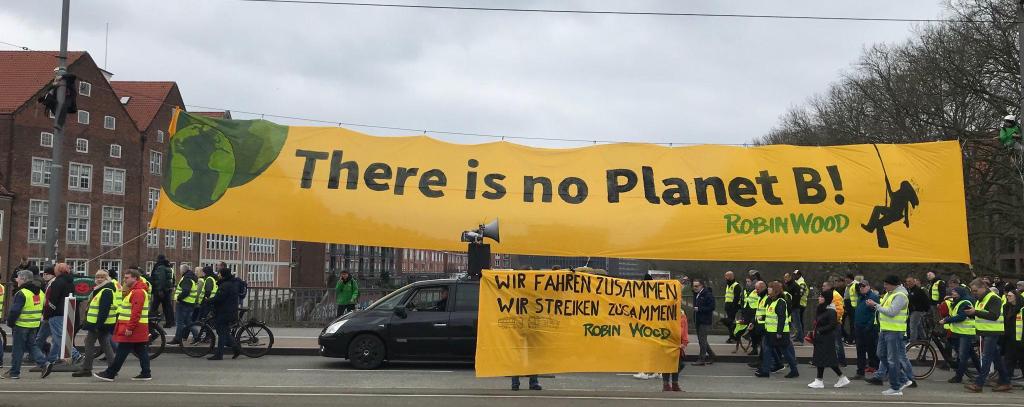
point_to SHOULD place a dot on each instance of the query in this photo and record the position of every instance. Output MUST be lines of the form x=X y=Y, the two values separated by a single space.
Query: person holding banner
x=24 y=318
x=684 y=339
x=132 y=329
x=99 y=321
x=62 y=286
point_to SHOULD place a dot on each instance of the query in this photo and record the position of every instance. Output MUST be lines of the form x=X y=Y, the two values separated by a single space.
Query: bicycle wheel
x=201 y=340
x=255 y=339
x=157 y=341
x=923 y=359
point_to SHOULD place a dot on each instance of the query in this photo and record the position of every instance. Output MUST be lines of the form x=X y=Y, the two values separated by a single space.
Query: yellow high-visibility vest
x=212 y=281
x=936 y=295
x=965 y=327
x=804 y=291
x=761 y=309
x=94 y=308
x=897 y=323
x=124 y=313
x=32 y=313
x=985 y=326
x=2 y=295
x=771 y=319
x=193 y=294
x=729 y=292
x=852 y=294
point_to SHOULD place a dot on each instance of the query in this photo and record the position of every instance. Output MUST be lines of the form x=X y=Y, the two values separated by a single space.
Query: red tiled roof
x=215 y=115
x=23 y=73
x=146 y=99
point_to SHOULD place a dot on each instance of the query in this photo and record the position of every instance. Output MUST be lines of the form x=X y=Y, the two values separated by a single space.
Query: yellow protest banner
x=535 y=322
x=858 y=203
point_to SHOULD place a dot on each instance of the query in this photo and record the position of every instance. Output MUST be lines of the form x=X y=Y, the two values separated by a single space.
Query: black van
x=427 y=320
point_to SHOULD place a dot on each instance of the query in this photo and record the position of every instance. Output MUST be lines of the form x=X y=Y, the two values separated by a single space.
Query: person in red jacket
x=132 y=329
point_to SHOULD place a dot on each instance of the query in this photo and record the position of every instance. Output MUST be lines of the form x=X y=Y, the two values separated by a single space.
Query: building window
x=78 y=223
x=109 y=122
x=154 y=197
x=155 y=162
x=80 y=177
x=79 y=267
x=170 y=238
x=186 y=240
x=46 y=139
x=153 y=238
x=41 y=172
x=82 y=145
x=261 y=274
x=83 y=117
x=222 y=242
x=111 y=265
x=266 y=246
x=37 y=213
x=115 y=151
x=113 y=181
x=84 y=88
x=160 y=136
x=112 y=230
x=1 y=225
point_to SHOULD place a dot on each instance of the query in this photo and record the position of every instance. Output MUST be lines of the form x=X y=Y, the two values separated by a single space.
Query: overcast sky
x=628 y=78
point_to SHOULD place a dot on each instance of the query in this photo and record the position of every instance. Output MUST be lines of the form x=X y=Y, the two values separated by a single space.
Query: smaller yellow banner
x=537 y=322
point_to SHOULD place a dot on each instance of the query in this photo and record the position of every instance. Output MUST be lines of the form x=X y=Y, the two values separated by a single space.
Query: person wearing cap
x=893 y=313
x=865 y=330
x=1009 y=133
x=988 y=321
x=225 y=311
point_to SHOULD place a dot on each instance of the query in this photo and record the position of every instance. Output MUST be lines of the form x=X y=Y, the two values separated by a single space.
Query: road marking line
x=371 y=371
x=487 y=396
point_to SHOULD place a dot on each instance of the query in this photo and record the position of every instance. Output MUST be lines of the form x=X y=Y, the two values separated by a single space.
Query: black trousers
x=224 y=338
x=162 y=299
x=344 y=309
x=730 y=319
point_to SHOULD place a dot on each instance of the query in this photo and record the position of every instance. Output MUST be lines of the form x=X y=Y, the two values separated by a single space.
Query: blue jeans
x=867 y=347
x=534 y=381
x=182 y=319
x=798 y=323
x=56 y=331
x=965 y=352
x=224 y=338
x=769 y=349
x=23 y=337
x=992 y=354
x=840 y=349
x=893 y=361
x=141 y=351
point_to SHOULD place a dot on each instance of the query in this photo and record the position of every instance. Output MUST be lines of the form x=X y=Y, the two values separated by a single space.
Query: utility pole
x=1020 y=56
x=57 y=181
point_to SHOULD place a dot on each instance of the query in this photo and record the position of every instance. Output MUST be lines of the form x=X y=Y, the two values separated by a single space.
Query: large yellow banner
x=534 y=322
x=858 y=203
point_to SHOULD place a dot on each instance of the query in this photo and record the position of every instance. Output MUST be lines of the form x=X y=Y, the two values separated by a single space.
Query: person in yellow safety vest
x=850 y=307
x=99 y=321
x=962 y=326
x=1012 y=337
x=755 y=311
x=209 y=290
x=800 y=306
x=936 y=288
x=988 y=320
x=24 y=317
x=893 y=313
x=132 y=329
x=776 y=326
x=186 y=296
x=733 y=304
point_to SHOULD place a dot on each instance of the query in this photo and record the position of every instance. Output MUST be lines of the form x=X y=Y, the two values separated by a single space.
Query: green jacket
x=346 y=293
x=1006 y=135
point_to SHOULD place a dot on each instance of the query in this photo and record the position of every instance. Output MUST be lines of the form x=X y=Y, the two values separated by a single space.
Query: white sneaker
x=905 y=385
x=817 y=384
x=842 y=382
x=642 y=376
x=891 y=392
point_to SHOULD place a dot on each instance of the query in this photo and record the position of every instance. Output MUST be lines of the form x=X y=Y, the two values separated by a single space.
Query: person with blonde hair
x=99 y=321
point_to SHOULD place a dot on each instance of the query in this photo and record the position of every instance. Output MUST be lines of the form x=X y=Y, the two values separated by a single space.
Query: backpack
x=243 y=289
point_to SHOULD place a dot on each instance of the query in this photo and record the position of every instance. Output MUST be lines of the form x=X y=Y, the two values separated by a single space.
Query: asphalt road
x=283 y=381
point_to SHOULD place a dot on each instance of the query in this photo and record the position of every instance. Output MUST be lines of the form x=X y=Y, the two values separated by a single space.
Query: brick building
x=114 y=151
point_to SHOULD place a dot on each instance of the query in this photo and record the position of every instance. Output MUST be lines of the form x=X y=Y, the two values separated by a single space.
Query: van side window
x=391 y=302
x=429 y=299
x=467 y=298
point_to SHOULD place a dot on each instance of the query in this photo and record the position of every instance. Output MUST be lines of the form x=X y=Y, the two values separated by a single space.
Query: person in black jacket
x=826 y=327
x=1011 y=346
x=96 y=323
x=60 y=288
x=704 y=310
x=795 y=294
x=919 y=305
x=225 y=311
x=161 y=279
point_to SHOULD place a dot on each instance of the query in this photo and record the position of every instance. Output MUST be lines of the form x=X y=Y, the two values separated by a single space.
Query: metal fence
x=300 y=306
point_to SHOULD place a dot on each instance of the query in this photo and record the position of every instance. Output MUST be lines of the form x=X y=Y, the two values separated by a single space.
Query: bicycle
x=157 y=339
x=253 y=336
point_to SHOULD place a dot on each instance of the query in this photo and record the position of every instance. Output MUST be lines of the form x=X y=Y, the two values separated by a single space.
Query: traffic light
x=49 y=97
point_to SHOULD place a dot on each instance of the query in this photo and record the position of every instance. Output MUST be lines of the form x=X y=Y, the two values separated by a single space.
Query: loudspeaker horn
x=491 y=230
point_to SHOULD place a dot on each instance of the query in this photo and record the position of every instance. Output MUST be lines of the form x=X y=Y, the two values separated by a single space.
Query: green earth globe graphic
x=200 y=166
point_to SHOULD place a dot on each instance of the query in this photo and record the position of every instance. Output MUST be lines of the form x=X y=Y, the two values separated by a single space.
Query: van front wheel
x=366 y=352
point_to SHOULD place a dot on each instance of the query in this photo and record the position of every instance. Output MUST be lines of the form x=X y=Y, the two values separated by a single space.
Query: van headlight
x=332 y=328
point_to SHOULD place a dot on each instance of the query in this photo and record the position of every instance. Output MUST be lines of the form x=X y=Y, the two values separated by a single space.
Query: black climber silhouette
x=897 y=208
